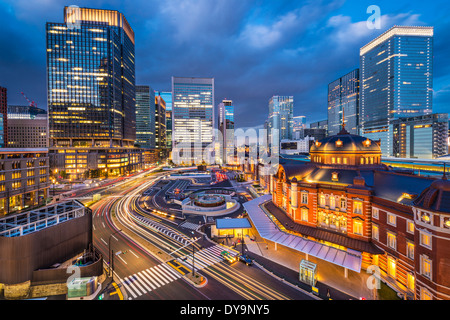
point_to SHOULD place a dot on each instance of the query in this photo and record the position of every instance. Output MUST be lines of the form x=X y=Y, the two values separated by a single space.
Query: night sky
x=253 y=49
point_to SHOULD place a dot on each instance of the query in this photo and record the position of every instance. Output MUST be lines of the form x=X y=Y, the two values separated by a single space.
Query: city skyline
x=274 y=44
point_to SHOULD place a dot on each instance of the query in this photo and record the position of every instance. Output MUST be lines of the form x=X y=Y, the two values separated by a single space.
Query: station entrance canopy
x=268 y=230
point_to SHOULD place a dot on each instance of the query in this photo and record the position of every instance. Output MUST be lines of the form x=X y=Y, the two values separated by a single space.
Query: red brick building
x=346 y=198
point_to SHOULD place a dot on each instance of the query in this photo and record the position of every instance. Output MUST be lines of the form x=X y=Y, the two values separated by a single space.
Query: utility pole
x=111 y=254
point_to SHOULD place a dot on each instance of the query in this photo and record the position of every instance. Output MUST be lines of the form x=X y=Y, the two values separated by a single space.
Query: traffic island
x=197 y=280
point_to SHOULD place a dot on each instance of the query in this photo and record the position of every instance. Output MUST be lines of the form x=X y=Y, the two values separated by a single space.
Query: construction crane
x=32 y=103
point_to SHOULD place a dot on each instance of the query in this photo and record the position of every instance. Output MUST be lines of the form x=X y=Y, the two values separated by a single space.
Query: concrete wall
x=21 y=256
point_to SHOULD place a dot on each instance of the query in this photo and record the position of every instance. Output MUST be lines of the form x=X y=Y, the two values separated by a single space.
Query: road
x=153 y=258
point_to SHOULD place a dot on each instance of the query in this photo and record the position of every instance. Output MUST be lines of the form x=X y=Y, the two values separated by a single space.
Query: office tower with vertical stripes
x=396 y=72
x=193 y=120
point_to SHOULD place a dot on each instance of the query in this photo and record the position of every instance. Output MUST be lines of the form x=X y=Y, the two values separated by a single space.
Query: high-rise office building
x=423 y=137
x=193 y=120
x=27 y=127
x=281 y=123
x=145 y=117
x=160 y=124
x=226 y=129
x=299 y=123
x=322 y=124
x=343 y=103
x=396 y=74
x=91 y=89
x=167 y=96
x=26 y=112
x=3 y=117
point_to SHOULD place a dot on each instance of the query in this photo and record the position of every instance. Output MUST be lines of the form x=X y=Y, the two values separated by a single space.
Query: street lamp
x=110 y=252
x=193 y=258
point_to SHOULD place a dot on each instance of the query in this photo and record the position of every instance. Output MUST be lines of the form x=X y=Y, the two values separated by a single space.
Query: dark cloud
x=253 y=49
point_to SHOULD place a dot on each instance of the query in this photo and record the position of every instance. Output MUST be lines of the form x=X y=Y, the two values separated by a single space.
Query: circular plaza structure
x=210 y=201
x=213 y=202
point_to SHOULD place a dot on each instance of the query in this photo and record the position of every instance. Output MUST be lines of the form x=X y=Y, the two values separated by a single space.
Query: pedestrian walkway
x=330 y=276
x=163 y=229
x=189 y=225
x=149 y=280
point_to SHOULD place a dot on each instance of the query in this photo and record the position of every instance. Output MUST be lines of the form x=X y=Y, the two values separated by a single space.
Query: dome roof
x=345 y=142
x=436 y=197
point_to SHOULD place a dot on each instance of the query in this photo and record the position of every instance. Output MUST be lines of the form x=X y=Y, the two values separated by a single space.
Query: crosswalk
x=151 y=279
x=162 y=229
x=148 y=280
x=205 y=258
x=189 y=225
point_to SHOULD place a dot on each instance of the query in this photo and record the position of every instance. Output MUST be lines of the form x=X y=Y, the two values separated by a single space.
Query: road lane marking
x=145 y=277
x=151 y=278
x=114 y=237
x=122 y=259
x=104 y=241
x=127 y=284
x=103 y=225
x=141 y=281
x=162 y=274
x=165 y=270
x=153 y=273
x=136 y=282
x=134 y=254
x=118 y=292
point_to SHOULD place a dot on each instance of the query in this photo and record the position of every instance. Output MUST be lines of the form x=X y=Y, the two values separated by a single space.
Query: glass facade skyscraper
x=160 y=122
x=193 y=120
x=91 y=79
x=396 y=71
x=167 y=97
x=91 y=94
x=145 y=117
x=226 y=128
x=281 y=122
x=343 y=101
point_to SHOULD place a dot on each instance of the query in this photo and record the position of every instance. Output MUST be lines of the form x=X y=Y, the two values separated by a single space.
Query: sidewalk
x=284 y=262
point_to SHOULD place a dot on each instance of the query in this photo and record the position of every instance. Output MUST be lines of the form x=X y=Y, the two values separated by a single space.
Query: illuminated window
x=304 y=214
x=425 y=240
x=375 y=232
x=335 y=176
x=322 y=200
x=375 y=213
x=391 y=267
x=425 y=266
x=391 y=219
x=343 y=203
x=357 y=207
x=391 y=240
x=332 y=202
x=410 y=250
x=358 y=227
x=425 y=294
x=409 y=226
x=411 y=281
x=345 y=160
x=304 y=198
